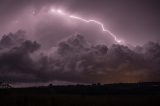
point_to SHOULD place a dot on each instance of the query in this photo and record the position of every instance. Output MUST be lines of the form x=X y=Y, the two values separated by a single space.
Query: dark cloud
x=47 y=53
x=11 y=40
x=15 y=61
x=76 y=60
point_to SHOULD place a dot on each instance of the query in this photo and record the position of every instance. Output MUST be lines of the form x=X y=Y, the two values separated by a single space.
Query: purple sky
x=134 y=21
x=52 y=47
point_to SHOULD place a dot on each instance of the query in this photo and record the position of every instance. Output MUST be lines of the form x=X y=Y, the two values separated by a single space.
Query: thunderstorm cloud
x=52 y=47
x=74 y=59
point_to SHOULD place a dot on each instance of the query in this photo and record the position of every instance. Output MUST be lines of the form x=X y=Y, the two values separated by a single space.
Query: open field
x=80 y=100
x=109 y=95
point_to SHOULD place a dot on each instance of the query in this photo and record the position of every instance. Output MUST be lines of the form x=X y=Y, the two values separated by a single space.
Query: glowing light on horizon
x=88 y=21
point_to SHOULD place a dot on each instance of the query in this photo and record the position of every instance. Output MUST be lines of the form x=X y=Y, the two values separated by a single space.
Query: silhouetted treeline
x=94 y=89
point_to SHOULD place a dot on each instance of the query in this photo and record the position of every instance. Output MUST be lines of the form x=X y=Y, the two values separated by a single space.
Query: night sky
x=39 y=45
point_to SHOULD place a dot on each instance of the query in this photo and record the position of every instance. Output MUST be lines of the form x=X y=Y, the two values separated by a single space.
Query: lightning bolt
x=58 y=11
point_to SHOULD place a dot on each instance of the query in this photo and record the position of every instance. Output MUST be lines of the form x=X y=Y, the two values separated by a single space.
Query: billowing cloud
x=76 y=60
x=15 y=61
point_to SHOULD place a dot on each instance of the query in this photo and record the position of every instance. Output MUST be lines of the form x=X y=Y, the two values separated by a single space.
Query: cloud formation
x=76 y=60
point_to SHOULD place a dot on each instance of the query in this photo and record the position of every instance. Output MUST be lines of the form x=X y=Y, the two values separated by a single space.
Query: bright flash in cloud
x=52 y=10
x=61 y=12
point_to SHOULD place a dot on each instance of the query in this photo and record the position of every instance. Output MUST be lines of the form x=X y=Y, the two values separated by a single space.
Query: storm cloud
x=74 y=59
x=52 y=47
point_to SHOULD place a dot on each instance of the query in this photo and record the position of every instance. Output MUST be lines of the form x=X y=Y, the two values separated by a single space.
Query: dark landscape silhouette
x=130 y=94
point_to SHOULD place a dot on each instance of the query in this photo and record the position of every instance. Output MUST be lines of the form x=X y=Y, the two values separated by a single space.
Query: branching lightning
x=88 y=21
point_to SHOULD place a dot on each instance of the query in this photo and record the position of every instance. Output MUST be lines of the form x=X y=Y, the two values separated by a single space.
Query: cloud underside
x=76 y=60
